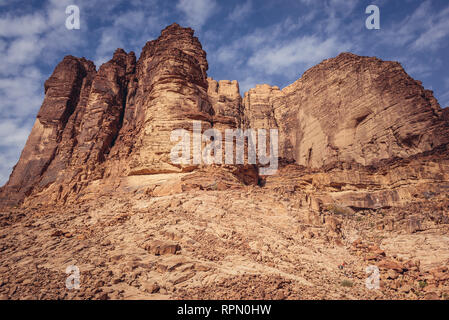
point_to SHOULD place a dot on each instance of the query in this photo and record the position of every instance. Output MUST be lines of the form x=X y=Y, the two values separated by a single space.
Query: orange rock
x=161 y=248
x=376 y=250
x=393 y=265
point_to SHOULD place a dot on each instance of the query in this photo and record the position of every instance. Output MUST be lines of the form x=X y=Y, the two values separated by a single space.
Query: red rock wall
x=117 y=121
x=350 y=109
x=51 y=137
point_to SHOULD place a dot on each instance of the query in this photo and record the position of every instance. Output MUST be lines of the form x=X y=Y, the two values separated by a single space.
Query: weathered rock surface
x=258 y=107
x=117 y=121
x=363 y=180
x=233 y=243
x=171 y=93
x=52 y=136
x=350 y=109
x=386 y=185
x=445 y=114
x=224 y=96
x=76 y=127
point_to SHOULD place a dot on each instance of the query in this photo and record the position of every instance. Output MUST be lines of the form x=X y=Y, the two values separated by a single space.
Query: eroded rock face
x=117 y=122
x=168 y=93
x=225 y=98
x=445 y=114
x=373 y=187
x=51 y=138
x=106 y=106
x=258 y=107
x=91 y=131
x=369 y=186
x=350 y=109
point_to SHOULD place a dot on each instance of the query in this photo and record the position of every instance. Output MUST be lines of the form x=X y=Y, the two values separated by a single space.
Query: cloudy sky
x=252 y=41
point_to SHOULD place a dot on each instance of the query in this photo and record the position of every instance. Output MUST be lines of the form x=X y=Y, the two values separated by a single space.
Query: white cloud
x=274 y=51
x=13 y=135
x=142 y=25
x=197 y=12
x=241 y=11
x=28 y=37
x=227 y=54
x=248 y=83
x=337 y=11
x=424 y=29
x=21 y=94
x=236 y=51
x=417 y=70
x=332 y=14
x=23 y=50
x=290 y=57
x=432 y=37
x=109 y=41
x=22 y=26
x=130 y=19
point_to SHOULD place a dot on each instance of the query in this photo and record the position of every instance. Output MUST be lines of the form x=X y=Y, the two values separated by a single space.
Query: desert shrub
x=422 y=284
x=347 y=283
x=339 y=210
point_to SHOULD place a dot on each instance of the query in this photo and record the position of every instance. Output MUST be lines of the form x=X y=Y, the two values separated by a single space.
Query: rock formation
x=52 y=136
x=363 y=180
x=445 y=115
x=350 y=109
x=117 y=121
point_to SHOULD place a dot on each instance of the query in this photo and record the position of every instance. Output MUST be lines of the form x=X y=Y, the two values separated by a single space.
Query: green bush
x=347 y=284
x=339 y=210
x=422 y=283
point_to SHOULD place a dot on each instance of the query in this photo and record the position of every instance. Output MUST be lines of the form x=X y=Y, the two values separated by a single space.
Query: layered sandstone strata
x=117 y=121
x=224 y=96
x=98 y=190
x=350 y=109
x=446 y=114
x=52 y=136
x=171 y=92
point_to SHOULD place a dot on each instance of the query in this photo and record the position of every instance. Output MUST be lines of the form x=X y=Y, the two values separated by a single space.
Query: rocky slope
x=144 y=241
x=363 y=180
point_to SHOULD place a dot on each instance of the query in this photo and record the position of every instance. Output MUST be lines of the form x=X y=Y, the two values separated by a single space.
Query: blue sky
x=248 y=40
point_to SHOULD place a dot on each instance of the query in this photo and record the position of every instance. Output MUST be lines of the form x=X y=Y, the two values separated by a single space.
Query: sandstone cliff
x=58 y=120
x=117 y=122
x=350 y=109
x=445 y=115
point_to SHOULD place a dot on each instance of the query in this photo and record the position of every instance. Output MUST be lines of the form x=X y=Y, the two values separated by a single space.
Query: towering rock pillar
x=103 y=119
x=170 y=92
x=66 y=92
